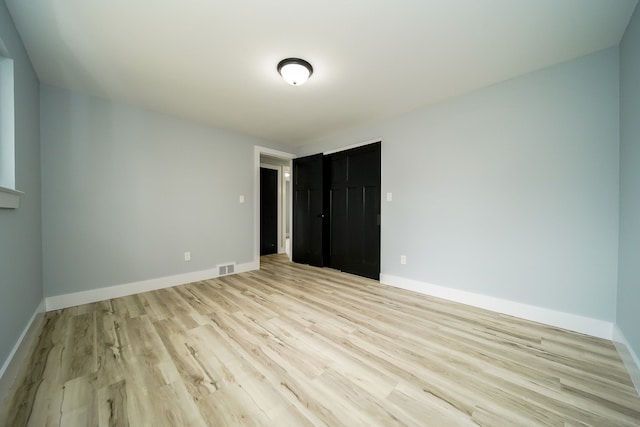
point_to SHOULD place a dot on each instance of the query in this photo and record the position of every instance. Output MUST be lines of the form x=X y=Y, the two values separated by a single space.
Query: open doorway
x=275 y=186
x=273 y=163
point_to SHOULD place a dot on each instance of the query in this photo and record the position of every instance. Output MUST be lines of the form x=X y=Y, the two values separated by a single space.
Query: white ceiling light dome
x=295 y=71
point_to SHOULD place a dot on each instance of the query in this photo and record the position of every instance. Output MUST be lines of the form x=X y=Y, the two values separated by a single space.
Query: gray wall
x=127 y=191
x=628 y=315
x=510 y=191
x=20 y=236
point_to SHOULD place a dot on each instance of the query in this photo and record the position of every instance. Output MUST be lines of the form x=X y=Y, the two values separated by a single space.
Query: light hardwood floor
x=293 y=345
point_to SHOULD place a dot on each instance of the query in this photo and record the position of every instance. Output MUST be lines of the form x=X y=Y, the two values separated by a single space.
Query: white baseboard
x=628 y=356
x=94 y=295
x=572 y=322
x=11 y=367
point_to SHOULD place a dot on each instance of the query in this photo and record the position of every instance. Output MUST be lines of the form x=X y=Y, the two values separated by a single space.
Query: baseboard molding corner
x=585 y=325
x=14 y=362
x=58 y=302
x=629 y=357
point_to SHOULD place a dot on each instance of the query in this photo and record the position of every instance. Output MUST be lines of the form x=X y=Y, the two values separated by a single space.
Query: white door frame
x=256 y=194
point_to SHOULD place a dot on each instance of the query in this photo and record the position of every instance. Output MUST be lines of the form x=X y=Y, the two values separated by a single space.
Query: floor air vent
x=226 y=269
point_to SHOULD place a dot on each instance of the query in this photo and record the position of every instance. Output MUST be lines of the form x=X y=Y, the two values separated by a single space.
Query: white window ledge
x=9 y=199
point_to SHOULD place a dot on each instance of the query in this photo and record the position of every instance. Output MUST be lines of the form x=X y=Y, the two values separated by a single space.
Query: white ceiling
x=214 y=61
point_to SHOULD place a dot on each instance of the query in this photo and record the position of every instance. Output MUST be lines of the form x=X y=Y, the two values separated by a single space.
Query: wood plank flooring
x=293 y=345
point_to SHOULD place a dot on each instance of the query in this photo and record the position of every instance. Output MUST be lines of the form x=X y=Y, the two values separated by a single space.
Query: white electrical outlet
x=389 y=196
x=403 y=259
x=187 y=256
x=241 y=199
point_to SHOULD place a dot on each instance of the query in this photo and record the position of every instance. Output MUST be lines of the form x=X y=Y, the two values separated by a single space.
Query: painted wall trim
x=10 y=199
x=629 y=357
x=586 y=325
x=11 y=367
x=349 y=147
x=85 y=297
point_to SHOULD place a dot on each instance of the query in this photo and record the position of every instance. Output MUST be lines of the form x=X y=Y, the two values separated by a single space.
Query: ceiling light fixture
x=295 y=71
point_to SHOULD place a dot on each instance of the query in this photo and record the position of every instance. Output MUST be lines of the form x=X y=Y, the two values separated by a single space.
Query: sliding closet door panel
x=308 y=210
x=355 y=210
x=355 y=225
x=338 y=229
x=371 y=227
